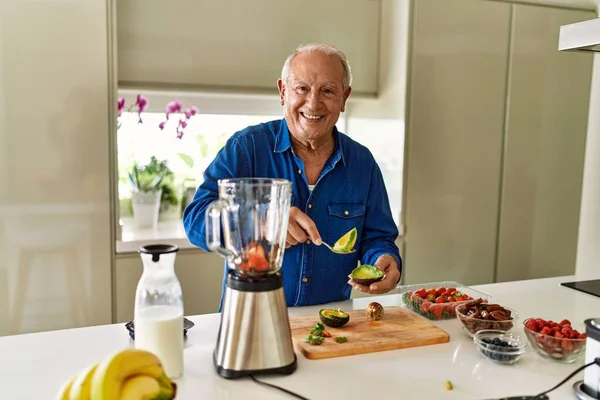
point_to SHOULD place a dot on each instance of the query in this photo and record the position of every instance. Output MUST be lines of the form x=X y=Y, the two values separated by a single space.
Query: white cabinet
x=495 y=133
x=544 y=151
x=55 y=263
x=240 y=44
x=457 y=87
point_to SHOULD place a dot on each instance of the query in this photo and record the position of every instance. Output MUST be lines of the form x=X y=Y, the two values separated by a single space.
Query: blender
x=247 y=226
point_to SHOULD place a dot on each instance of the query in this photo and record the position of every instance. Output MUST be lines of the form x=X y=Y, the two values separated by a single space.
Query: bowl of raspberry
x=560 y=341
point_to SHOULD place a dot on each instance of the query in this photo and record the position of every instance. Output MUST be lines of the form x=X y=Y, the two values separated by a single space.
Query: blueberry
x=487 y=340
x=497 y=341
x=504 y=344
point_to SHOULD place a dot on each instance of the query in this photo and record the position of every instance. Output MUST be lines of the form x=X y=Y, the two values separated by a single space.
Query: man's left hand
x=391 y=277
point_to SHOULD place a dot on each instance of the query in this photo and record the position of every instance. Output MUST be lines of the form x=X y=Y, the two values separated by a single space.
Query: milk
x=159 y=329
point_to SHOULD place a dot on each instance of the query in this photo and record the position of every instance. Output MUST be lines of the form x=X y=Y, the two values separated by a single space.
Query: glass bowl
x=558 y=349
x=421 y=298
x=471 y=325
x=499 y=346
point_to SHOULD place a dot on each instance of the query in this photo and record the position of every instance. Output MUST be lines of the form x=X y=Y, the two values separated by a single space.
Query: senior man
x=336 y=183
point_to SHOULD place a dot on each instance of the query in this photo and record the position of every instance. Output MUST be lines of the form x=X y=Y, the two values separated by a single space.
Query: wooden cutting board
x=399 y=329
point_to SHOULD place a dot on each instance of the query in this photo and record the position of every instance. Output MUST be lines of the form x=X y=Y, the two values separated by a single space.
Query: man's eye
x=302 y=88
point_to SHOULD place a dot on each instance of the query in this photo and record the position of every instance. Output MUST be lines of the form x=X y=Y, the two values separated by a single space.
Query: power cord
x=279 y=388
x=543 y=396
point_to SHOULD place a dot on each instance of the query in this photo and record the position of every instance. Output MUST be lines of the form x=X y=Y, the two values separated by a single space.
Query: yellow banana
x=143 y=387
x=63 y=393
x=109 y=378
x=82 y=384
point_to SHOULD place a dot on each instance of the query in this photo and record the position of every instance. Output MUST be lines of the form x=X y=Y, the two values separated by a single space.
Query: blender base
x=236 y=374
x=581 y=392
x=254 y=335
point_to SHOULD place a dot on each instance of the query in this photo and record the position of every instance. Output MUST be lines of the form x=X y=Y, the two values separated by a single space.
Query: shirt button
x=300 y=171
x=310 y=206
x=304 y=279
x=346 y=212
x=308 y=242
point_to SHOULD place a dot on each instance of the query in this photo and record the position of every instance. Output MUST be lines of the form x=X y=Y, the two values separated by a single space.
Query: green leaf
x=202 y=145
x=186 y=159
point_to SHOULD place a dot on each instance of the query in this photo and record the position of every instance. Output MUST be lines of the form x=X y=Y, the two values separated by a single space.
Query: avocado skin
x=365 y=281
x=332 y=320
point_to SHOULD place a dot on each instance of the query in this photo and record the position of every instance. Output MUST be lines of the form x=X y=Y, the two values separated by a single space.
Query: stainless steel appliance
x=589 y=388
x=248 y=226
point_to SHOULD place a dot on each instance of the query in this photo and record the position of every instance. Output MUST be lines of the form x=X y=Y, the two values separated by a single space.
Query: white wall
x=588 y=249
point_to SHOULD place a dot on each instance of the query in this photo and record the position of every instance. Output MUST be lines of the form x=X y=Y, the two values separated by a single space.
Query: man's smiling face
x=313 y=95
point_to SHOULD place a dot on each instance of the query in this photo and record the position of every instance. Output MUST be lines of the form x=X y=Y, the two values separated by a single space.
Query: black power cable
x=542 y=395
x=279 y=388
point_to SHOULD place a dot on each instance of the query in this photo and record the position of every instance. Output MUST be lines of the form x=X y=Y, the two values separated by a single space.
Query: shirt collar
x=283 y=141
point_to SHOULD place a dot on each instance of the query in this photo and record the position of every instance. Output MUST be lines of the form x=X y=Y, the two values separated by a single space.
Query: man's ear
x=281 y=88
x=346 y=95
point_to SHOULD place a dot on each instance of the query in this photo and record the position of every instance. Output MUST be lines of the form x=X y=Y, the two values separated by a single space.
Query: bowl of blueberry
x=499 y=346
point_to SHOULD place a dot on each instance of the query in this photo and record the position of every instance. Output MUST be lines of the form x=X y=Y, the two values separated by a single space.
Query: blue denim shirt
x=350 y=192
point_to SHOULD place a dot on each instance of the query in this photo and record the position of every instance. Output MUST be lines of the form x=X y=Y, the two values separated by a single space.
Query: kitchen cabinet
x=55 y=237
x=239 y=45
x=456 y=99
x=496 y=123
x=546 y=129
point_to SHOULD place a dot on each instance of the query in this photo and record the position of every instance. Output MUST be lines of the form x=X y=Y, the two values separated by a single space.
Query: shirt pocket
x=343 y=216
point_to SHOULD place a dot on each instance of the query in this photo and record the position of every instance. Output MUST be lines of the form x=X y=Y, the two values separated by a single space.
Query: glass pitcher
x=158 y=312
x=248 y=224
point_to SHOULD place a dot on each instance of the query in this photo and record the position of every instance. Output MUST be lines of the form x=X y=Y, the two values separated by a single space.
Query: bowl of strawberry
x=438 y=300
x=557 y=341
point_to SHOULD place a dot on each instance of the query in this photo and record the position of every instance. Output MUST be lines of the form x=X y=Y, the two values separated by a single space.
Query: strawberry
x=437 y=310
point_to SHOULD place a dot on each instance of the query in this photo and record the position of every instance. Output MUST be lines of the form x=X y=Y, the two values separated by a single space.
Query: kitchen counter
x=34 y=366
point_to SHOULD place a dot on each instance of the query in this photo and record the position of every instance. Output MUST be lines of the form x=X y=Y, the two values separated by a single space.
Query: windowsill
x=167 y=231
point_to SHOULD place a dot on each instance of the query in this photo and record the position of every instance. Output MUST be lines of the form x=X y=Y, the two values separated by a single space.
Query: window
x=184 y=160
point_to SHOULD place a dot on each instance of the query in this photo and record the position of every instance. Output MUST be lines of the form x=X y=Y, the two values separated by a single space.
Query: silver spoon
x=338 y=251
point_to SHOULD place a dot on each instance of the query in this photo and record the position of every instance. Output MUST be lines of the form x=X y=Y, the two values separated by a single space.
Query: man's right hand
x=300 y=229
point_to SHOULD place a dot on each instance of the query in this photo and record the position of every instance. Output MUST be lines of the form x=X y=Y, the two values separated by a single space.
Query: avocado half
x=366 y=274
x=334 y=318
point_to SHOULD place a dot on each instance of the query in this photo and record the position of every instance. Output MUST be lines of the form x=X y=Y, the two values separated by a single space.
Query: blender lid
x=592 y=328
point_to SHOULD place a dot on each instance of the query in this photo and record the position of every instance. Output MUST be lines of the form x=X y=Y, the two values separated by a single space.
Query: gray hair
x=321 y=48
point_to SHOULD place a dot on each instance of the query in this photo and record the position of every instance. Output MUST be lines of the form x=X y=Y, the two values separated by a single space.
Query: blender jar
x=248 y=224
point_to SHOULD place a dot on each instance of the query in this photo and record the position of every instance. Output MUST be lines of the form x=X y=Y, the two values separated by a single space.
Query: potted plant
x=155 y=194
x=146 y=195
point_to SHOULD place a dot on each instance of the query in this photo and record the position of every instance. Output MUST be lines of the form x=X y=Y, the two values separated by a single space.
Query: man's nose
x=314 y=99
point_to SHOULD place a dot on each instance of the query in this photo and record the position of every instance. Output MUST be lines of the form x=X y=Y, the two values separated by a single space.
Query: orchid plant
x=174 y=107
x=156 y=175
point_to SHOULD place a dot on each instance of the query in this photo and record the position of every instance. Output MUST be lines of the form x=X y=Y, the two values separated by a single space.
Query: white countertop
x=34 y=366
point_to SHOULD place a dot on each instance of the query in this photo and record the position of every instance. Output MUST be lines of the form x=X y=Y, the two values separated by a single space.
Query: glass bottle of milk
x=159 y=308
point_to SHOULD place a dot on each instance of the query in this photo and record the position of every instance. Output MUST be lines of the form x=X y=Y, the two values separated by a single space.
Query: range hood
x=580 y=36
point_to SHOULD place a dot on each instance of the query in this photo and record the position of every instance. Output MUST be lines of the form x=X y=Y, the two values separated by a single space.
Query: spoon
x=338 y=251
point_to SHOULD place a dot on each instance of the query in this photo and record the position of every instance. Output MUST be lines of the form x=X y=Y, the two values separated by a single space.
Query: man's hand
x=391 y=277
x=300 y=229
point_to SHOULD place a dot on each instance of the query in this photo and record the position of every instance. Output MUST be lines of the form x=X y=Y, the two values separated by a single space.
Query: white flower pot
x=146 y=207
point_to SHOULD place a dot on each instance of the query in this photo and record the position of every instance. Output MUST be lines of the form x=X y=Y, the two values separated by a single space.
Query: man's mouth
x=312 y=117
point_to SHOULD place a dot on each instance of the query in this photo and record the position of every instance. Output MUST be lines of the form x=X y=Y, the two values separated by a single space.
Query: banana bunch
x=130 y=374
